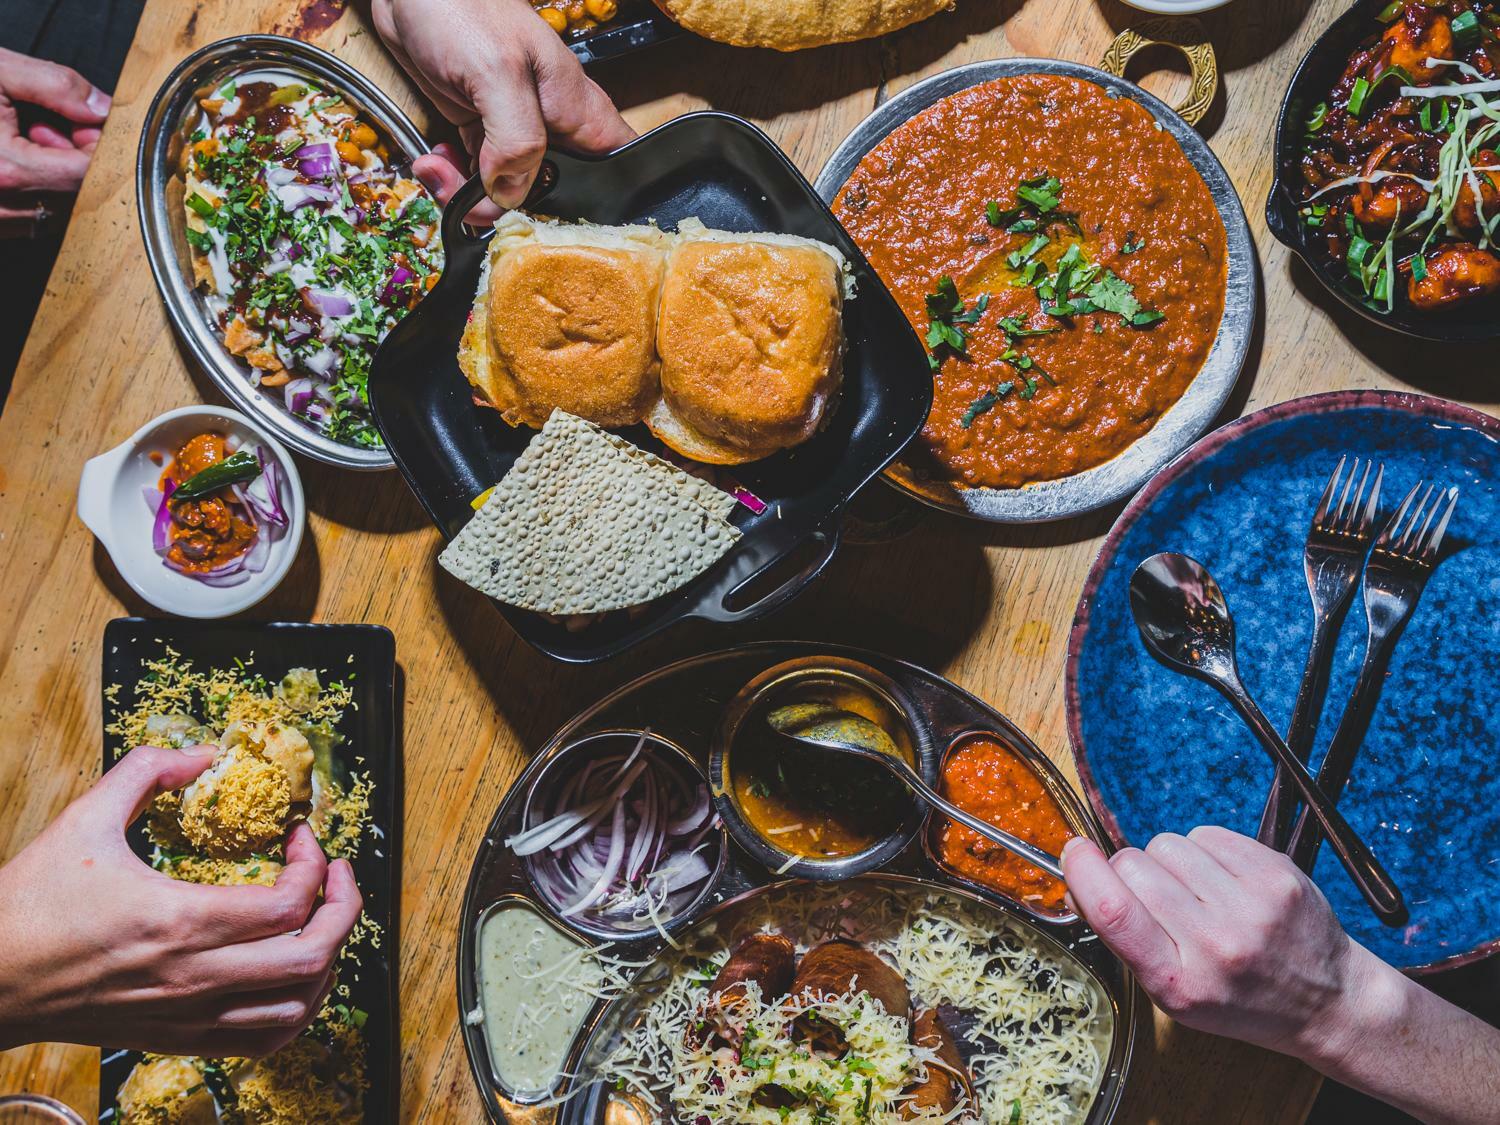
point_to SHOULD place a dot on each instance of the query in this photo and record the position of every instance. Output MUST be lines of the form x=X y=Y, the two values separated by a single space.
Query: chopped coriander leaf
x=944 y=300
x=198 y=240
x=984 y=404
x=1033 y=247
x=1042 y=192
x=1111 y=293
x=1029 y=390
x=1011 y=326
x=1133 y=243
x=1146 y=318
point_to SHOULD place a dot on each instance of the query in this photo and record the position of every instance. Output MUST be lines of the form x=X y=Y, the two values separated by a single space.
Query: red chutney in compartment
x=986 y=778
x=916 y=206
x=206 y=533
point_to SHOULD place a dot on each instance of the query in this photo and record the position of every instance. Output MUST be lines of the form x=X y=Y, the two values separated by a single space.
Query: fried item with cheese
x=165 y=1090
x=246 y=800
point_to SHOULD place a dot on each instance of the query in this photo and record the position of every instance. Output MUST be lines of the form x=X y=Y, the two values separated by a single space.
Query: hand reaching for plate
x=499 y=73
x=1229 y=937
x=96 y=947
x=43 y=161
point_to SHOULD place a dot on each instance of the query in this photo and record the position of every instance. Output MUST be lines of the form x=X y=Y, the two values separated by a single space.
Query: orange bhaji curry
x=1064 y=261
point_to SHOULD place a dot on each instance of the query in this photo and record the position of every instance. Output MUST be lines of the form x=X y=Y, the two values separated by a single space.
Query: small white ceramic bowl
x=111 y=504
x=1177 y=7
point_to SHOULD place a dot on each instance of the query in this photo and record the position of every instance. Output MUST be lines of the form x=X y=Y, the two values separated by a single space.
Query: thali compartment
x=756 y=776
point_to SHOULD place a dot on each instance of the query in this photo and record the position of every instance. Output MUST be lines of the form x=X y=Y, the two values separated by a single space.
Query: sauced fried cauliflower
x=244 y=801
x=163 y=1090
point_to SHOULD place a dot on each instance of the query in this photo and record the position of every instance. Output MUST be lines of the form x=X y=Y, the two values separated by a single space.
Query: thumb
x=139 y=776
x=51 y=86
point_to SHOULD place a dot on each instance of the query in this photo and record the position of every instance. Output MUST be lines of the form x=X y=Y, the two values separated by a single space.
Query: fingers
x=291 y=960
x=578 y=113
x=28 y=167
x=1117 y=915
x=245 y=914
x=48 y=137
x=442 y=173
x=275 y=1009
x=1239 y=855
x=1193 y=867
x=515 y=136
x=123 y=793
x=58 y=88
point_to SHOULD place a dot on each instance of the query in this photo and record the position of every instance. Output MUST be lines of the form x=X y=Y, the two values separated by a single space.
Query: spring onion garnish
x=1466 y=31
x=1317 y=117
x=1357 y=96
x=619 y=839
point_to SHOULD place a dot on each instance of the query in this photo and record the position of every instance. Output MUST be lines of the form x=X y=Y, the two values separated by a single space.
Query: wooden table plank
x=988 y=606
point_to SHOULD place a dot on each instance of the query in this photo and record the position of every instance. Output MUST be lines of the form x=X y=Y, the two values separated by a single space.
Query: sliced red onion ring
x=161 y=542
x=317 y=160
x=296 y=196
x=400 y=278
x=297 y=394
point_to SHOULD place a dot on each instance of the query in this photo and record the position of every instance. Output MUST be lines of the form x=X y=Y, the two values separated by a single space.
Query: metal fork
x=1340 y=536
x=1403 y=559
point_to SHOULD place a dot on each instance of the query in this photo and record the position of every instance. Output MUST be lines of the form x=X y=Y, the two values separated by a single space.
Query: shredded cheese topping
x=1036 y=1025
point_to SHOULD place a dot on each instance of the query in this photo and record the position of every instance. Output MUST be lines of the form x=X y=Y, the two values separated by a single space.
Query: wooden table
x=988 y=606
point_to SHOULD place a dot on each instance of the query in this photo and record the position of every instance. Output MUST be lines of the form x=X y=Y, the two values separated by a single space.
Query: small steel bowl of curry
x=988 y=775
x=811 y=815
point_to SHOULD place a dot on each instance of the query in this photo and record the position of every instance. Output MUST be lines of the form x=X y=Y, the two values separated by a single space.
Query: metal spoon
x=1185 y=622
x=843 y=732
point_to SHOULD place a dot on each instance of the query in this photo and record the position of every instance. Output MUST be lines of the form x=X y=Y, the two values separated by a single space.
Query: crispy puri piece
x=792 y=25
x=165 y=1090
x=751 y=341
x=945 y=1084
x=839 y=967
x=566 y=319
x=245 y=800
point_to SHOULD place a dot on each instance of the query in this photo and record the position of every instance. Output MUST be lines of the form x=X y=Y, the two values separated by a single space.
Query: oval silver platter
x=159 y=201
x=685 y=702
x=1192 y=414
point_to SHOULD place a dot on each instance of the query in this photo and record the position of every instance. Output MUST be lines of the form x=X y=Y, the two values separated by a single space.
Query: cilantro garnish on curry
x=309 y=241
x=1063 y=261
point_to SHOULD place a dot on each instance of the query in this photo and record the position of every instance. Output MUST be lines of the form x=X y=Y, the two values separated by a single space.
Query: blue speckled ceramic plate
x=1159 y=752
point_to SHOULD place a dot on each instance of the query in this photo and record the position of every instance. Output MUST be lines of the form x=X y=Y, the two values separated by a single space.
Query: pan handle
x=1187 y=36
x=826 y=540
x=464 y=200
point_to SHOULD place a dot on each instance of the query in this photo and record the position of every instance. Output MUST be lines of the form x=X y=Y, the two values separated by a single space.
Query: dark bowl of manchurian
x=1388 y=165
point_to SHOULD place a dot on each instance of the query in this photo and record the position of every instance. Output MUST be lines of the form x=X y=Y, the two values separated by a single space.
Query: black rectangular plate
x=369 y=727
x=639 y=24
x=725 y=171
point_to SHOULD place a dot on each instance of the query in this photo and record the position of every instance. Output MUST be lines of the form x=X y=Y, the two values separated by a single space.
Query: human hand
x=1227 y=936
x=96 y=947
x=499 y=73
x=43 y=160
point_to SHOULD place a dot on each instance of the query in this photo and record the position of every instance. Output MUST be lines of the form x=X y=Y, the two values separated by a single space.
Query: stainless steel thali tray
x=690 y=704
x=1192 y=414
x=159 y=199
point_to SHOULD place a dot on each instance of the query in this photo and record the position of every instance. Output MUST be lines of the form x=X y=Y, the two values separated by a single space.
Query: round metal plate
x=1192 y=414
x=685 y=701
x=159 y=200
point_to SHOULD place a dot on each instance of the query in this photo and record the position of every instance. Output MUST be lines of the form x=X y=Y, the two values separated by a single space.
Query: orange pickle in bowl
x=988 y=779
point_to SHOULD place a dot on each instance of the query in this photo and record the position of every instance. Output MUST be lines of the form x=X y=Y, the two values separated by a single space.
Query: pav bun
x=566 y=319
x=792 y=25
x=750 y=334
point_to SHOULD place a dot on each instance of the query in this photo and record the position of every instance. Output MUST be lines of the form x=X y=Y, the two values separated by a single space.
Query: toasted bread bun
x=751 y=340
x=566 y=319
x=791 y=25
